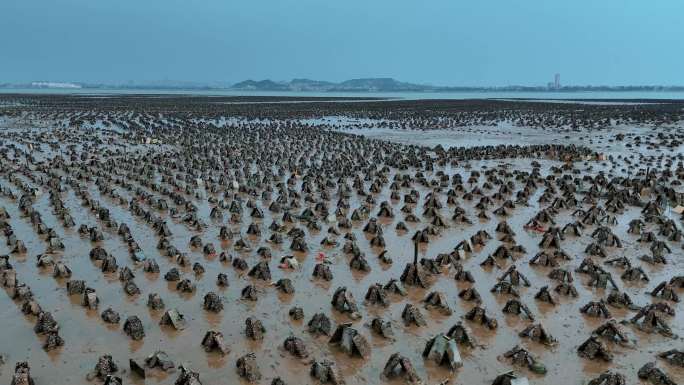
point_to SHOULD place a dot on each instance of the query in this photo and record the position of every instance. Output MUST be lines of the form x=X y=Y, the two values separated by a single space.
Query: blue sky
x=448 y=42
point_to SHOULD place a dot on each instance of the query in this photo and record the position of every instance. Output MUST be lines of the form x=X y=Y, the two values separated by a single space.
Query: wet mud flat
x=291 y=208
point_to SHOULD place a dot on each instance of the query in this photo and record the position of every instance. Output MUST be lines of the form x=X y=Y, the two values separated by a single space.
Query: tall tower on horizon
x=556 y=81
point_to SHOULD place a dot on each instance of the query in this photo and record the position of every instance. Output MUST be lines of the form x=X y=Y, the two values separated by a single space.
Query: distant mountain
x=393 y=85
x=355 y=85
x=261 y=85
x=310 y=85
x=378 y=85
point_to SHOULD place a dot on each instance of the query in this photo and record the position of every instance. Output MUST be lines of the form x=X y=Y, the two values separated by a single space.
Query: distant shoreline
x=445 y=90
x=623 y=96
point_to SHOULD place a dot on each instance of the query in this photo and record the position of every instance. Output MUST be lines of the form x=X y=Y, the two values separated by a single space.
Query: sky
x=440 y=42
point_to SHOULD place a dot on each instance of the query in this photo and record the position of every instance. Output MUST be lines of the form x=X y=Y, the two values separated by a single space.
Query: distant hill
x=261 y=85
x=393 y=85
x=378 y=84
x=356 y=85
x=310 y=85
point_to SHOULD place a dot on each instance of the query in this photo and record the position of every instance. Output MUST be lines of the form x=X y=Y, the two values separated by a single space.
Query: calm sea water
x=386 y=95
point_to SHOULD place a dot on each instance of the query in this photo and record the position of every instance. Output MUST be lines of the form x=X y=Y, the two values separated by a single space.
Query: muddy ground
x=87 y=337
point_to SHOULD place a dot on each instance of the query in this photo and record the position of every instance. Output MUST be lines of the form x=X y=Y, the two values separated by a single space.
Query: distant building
x=556 y=81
